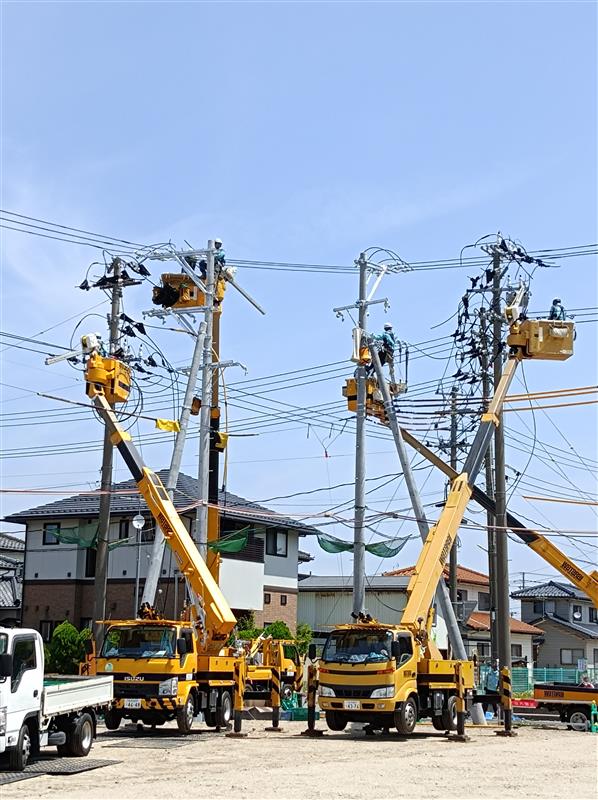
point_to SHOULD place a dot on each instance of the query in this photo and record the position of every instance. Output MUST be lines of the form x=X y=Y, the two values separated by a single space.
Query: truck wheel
x=406 y=717
x=335 y=722
x=448 y=717
x=210 y=717
x=80 y=738
x=579 y=719
x=224 y=712
x=19 y=755
x=112 y=719
x=184 y=716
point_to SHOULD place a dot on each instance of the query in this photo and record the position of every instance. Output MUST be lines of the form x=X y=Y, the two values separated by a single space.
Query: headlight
x=169 y=686
x=2 y=720
x=326 y=691
x=384 y=691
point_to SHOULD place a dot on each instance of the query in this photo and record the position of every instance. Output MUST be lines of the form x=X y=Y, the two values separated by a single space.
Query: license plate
x=133 y=703
x=351 y=704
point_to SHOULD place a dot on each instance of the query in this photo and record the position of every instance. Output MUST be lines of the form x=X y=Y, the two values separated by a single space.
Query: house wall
x=324 y=610
x=56 y=586
x=555 y=638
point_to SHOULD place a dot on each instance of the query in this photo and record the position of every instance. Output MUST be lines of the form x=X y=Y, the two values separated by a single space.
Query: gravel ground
x=535 y=764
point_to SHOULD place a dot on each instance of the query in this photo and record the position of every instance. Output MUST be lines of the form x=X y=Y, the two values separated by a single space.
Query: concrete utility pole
x=155 y=566
x=454 y=549
x=203 y=475
x=447 y=610
x=489 y=476
x=502 y=553
x=360 y=377
x=101 y=571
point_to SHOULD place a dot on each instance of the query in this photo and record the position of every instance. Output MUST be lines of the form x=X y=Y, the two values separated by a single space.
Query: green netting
x=389 y=548
x=83 y=535
x=333 y=545
x=232 y=543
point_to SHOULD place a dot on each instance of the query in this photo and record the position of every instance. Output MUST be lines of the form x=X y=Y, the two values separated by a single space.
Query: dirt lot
x=536 y=764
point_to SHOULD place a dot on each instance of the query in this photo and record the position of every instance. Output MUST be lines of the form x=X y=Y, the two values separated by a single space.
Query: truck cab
x=381 y=675
x=160 y=674
x=38 y=710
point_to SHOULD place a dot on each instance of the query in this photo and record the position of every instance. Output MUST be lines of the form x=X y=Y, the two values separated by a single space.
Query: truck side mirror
x=181 y=646
x=5 y=665
x=88 y=645
x=311 y=652
x=395 y=650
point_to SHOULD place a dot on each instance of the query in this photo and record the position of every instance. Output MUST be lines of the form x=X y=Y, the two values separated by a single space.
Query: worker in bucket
x=385 y=344
x=557 y=310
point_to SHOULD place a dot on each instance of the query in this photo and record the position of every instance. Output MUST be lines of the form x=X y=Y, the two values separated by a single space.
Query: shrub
x=66 y=649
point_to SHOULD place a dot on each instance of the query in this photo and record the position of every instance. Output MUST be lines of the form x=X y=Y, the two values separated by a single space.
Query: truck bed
x=564 y=693
x=65 y=693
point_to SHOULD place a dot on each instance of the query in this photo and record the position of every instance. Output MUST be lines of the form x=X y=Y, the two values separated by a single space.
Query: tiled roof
x=480 y=621
x=8 y=542
x=464 y=574
x=587 y=629
x=551 y=589
x=185 y=497
x=11 y=592
x=6 y=562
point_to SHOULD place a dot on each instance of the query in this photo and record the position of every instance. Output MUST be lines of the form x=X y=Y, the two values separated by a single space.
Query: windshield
x=358 y=647
x=3 y=643
x=139 y=641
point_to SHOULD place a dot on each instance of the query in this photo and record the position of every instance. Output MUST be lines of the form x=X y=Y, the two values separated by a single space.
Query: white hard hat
x=387 y=326
x=217 y=240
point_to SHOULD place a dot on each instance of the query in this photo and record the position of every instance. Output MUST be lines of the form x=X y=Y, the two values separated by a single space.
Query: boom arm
x=587 y=582
x=432 y=558
x=214 y=617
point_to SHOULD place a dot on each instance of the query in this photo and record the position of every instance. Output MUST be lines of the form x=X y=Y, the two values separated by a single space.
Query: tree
x=303 y=637
x=66 y=649
x=278 y=630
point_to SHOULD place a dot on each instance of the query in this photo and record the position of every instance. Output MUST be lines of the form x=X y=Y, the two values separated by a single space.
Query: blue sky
x=298 y=132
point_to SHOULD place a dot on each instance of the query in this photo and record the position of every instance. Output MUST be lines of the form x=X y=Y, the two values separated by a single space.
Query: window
x=593 y=614
x=51 y=529
x=276 y=543
x=596 y=657
x=516 y=651
x=267 y=598
x=188 y=637
x=85 y=622
x=571 y=656
x=148 y=532
x=90 y=562
x=483 y=601
x=23 y=658
x=539 y=607
x=283 y=599
x=461 y=595
x=483 y=649
x=577 y=615
x=46 y=627
x=123 y=529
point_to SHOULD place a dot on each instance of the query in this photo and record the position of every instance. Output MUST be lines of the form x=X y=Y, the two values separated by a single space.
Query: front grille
x=135 y=689
x=354 y=691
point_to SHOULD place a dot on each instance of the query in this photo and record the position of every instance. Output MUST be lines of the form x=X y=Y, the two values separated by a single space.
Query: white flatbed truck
x=38 y=710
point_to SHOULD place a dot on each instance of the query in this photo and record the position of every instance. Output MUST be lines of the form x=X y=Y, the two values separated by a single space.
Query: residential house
x=60 y=563
x=473 y=614
x=326 y=601
x=568 y=621
x=12 y=554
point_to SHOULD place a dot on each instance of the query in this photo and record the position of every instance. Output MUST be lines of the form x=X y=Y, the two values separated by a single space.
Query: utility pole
x=454 y=550
x=500 y=496
x=101 y=570
x=360 y=377
x=208 y=375
x=489 y=476
x=155 y=566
